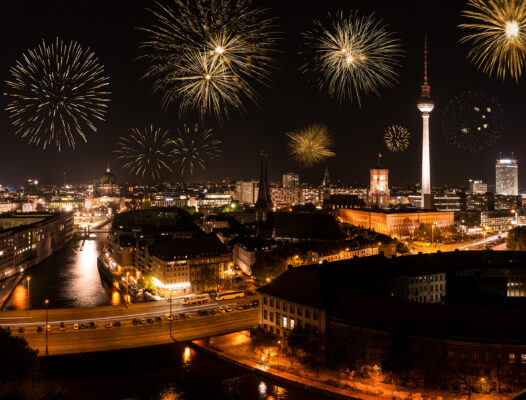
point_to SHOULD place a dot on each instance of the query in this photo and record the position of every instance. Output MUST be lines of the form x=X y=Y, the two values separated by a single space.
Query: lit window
x=284 y=322
x=523 y=358
x=511 y=358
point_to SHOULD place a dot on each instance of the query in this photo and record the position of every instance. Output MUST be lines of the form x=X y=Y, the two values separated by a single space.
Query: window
x=265 y=300
x=307 y=313
x=264 y=314
x=487 y=356
x=307 y=328
x=463 y=355
x=271 y=316
x=298 y=311
x=284 y=307
x=475 y=356
x=277 y=331
x=523 y=358
x=278 y=318
x=292 y=323
x=315 y=315
x=291 y=309
x=285 y=322
x=277 y=304
x=511 y=358
x=272 y=302
x=300 y=323
x=451 y=355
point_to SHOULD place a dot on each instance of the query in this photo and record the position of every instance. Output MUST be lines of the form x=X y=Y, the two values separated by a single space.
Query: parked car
x=158 y=320
x=48 y=328
x=39 y=329
x=92 y=325
x=149 y=320
x=117 y=324
x=143 y=320
x=21 y=329
x=168 y=316
x=62 y=326
x=76 y=327
x=255 y=303
x=136 y=322
x=109 y=324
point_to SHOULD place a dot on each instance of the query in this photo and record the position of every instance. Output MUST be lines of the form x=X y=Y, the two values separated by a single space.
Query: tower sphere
x=426 y=104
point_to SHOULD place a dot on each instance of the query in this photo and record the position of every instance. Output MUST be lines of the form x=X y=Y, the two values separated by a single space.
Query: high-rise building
x=247 y=192
x=426 y=105
x=507 y=176
x=477 y=186
x=291 y=180
x=264 y=201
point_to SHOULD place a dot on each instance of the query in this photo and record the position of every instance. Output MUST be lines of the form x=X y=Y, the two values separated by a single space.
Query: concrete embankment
x=12 y=286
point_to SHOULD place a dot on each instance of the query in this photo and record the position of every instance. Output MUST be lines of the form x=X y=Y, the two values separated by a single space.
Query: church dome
x=108 y=178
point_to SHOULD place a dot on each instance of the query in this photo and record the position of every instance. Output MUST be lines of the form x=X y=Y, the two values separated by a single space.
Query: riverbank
x=237 y=348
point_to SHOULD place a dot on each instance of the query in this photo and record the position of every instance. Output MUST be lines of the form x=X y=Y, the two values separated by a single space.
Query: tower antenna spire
x=426 y=89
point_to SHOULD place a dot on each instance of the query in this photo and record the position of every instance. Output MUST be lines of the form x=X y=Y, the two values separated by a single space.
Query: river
x=68 y=278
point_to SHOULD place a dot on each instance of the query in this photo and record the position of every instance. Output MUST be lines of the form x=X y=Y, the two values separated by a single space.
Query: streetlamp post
x=171 y=316
x=127 y=292
x=47 y=315
x=28 y=279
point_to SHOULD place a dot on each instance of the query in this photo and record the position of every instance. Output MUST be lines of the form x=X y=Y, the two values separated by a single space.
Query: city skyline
x=291 y=101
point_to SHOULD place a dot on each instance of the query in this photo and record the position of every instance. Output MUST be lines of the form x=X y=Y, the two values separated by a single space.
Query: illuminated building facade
x=247 y=192
x=291 y=180
x=28 y=239
x=108 y=185
x=379 y=188
x=507 y=176
x=395 y=223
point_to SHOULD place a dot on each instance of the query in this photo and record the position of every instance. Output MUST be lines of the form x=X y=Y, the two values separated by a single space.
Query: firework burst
x=146 y=152
x=472 y=121
x=230 y=35
x=498 y=36
x=397 y=138
x=57 y=91
x=194 y=147
x=353 y=56
x=311 y=145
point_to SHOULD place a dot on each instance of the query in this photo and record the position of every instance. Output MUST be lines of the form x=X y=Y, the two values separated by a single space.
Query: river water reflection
x=69 y=278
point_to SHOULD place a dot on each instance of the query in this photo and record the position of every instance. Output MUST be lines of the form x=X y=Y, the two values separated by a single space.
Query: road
x=128 y=335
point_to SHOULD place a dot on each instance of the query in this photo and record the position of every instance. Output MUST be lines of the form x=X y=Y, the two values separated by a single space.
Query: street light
x=171 y=317
x=47 y=315
x=28 y=279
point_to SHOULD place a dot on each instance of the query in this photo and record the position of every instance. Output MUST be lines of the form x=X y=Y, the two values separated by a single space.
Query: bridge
x=128 y=335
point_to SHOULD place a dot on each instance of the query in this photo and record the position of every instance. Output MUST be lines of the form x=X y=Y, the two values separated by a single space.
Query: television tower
x=426 y=105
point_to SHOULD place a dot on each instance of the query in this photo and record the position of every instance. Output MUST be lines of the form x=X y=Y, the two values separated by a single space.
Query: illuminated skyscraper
x=507 y=176
x=291 y=180
x=426 y=105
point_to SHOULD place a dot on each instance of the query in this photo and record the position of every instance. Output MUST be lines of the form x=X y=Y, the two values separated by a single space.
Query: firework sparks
x=397 y=138
x=231 y=36
x=57 y=91
x=194 y=147
x=353 y=56
x=311 y=145
x=146 y=153
x=472 y=121
x=498 y=36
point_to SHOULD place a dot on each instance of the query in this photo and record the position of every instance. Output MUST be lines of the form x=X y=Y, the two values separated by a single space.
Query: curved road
x=127 y=335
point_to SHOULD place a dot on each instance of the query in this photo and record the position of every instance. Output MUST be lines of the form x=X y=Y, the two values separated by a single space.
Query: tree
x=19 y=361
x=397 y=358
x=517 y=239
x=269 y=264
x=145 y=282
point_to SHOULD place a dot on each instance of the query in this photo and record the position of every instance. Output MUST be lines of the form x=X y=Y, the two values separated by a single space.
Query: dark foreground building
x=379 y=311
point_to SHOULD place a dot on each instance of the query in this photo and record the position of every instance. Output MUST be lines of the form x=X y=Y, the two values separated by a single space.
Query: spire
x=264 y=201
x=326 y=179
x=108 y=167
x=426 y=89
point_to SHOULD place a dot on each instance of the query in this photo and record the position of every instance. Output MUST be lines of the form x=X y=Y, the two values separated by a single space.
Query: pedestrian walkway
x=237 y=348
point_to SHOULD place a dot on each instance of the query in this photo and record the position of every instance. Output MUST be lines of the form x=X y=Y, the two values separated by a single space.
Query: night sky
x=108 y=27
